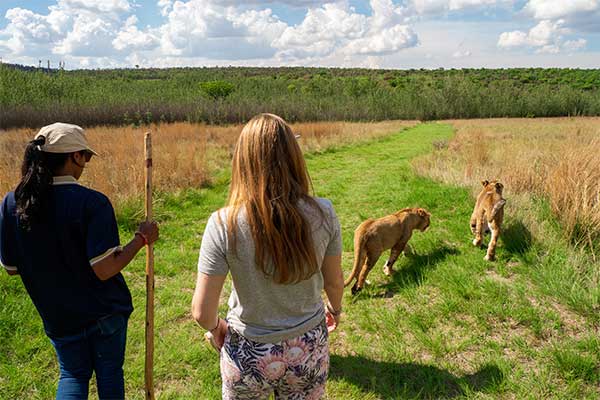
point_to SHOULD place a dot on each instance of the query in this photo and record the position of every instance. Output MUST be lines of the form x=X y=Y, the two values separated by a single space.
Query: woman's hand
x=148 y=231
x=108 y=267
x=216 y=337
x=333 y=283
x=332 y=321
x=219 y=333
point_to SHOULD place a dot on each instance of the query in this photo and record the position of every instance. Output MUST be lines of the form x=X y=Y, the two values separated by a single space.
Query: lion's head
x=424 y=219
x=492 y=186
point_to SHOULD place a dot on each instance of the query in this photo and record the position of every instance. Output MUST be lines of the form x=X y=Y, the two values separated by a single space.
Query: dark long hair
x=33 y=193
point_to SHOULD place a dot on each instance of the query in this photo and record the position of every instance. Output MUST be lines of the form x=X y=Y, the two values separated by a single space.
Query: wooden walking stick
x=149 y=277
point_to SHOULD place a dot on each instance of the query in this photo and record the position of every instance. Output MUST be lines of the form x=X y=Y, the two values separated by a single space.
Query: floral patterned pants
x=294 y=369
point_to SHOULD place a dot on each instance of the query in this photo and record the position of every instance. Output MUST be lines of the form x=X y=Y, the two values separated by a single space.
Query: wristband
x=215 y=328
x=332 y=311
x=144 y=238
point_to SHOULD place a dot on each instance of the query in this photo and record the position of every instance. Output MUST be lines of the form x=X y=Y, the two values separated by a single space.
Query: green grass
x=446 y=325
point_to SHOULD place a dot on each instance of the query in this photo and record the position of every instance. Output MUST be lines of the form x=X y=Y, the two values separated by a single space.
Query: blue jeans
x=98 y=348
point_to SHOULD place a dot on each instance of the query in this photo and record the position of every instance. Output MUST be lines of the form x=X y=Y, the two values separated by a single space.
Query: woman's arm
x=333 y=281
x=112 y=265
x=205 y=305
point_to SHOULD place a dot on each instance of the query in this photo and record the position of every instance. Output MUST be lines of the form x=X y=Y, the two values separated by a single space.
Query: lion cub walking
x=488 y=215
x=374 y=236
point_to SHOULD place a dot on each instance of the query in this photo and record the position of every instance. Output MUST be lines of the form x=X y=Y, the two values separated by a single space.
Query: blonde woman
x=282 y=248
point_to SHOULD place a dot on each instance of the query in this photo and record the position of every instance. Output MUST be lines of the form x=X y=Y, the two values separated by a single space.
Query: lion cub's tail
x=359 y=253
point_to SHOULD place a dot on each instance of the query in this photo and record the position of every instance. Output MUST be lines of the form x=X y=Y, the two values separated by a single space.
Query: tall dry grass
x=557 y=159
x=185 y=155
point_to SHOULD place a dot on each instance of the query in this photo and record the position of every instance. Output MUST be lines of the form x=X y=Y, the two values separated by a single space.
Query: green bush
x=217 y=89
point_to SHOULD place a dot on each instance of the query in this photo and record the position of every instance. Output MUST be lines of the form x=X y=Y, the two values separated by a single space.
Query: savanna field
x=446 y=325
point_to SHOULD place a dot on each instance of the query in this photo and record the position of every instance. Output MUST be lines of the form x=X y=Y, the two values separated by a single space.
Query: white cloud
x=322 y=31
x=513 y=39
x=27 y=32
x=580 y=15
x=555 y=9
x=292 y=3
x=546 y=37
x=461 y=54
x=441 y=6
x=575 y=45
x=546 y=33
x=96 y=33
x=97 y=6
x=165 y=6
x=337 y=28
x=131 y=38
x=388 y=41
x=89 y=37
x=557 y=19
x=72 y=27
x=203 y=28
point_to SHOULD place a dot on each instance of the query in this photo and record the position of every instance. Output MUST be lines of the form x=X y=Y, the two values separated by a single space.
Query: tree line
x=32 y=97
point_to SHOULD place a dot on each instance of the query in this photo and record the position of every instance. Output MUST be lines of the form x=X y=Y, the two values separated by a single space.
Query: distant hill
x=27 y=68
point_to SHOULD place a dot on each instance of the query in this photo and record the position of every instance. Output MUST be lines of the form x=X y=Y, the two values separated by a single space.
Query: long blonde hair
x=269 y=179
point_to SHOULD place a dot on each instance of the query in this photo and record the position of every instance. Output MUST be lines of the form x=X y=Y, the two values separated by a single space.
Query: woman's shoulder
x=220 y=214
x=9 y=201
x=10 y=196
x=94 y=197
x=218 y=219
x=320 y=209
x=324 y=203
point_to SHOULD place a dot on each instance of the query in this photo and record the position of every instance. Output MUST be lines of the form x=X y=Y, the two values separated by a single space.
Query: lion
x=374 y=236
x=488 y=215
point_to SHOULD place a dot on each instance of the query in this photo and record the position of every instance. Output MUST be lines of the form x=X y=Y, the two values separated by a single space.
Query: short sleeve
x=334 y=248
x=213 y=260
x=8 y=245
x=102 y=238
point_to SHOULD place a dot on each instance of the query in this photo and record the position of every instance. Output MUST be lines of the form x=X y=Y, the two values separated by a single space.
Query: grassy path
x=446 y=325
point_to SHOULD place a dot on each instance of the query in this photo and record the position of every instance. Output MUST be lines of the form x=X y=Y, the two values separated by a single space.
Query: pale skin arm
x=112 y=265
x=205 y=305
x=333 y=282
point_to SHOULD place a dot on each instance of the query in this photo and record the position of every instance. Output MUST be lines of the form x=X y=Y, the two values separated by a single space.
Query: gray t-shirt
x=259 y=308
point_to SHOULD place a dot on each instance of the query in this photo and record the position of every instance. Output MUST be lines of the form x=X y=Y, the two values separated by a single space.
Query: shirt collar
x=64 y=180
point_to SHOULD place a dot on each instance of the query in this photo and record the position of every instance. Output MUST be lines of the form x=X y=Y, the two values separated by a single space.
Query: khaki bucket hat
x=64 y=138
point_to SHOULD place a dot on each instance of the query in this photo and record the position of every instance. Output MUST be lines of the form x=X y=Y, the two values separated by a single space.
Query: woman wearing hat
x=62 y=239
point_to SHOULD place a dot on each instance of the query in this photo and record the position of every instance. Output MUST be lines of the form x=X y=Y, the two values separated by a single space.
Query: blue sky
x=343 y=33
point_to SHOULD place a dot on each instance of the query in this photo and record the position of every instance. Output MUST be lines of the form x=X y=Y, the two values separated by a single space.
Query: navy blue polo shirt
x=55 y=258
